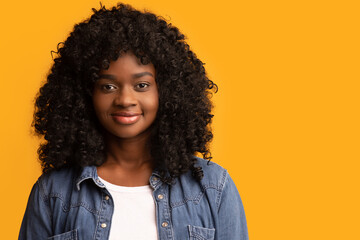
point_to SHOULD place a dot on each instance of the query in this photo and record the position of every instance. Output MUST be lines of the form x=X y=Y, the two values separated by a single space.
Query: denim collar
x=90 y=172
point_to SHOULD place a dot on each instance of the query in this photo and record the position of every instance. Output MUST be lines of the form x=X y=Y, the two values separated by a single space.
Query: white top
x=134 y=212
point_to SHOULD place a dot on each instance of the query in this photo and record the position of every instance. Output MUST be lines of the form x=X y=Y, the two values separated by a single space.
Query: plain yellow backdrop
x=287 y=111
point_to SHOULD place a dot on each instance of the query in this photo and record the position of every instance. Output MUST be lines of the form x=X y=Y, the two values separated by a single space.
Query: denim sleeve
x=36 y=224
x=231 y=213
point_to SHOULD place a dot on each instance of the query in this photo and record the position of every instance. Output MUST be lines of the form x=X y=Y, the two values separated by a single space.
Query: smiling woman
x=124 y=110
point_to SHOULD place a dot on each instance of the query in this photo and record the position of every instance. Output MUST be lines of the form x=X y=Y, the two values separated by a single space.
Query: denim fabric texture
x=72 y=204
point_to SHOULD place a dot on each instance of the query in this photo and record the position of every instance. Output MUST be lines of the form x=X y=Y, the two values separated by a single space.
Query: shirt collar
x=90 y=172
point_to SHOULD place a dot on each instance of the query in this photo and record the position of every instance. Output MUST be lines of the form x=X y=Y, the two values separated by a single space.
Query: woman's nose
x=125 y=97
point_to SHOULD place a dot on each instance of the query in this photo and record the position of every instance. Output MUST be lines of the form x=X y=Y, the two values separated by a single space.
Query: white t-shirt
x=134 y=212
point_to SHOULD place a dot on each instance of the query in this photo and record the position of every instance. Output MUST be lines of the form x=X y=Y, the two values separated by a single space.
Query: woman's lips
x=126 y=118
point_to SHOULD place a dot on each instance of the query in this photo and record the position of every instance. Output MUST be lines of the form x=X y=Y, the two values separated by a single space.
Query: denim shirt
x=73 y=204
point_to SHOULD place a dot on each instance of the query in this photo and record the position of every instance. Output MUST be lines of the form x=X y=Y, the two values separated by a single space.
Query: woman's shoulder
x=187 y=188
x=208 y=165
x=59 y=179
x=211 y=169
x=214 y=174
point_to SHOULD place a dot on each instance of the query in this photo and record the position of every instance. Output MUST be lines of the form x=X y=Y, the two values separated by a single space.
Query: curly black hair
x=64 y=113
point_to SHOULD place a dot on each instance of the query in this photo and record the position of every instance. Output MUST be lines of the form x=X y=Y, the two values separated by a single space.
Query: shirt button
x=164 y=224
x=103 y=225
x=160 y=196
x=106 y=197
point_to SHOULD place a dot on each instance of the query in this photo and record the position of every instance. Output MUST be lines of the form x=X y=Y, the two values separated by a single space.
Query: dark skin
x=126 y=101
x=128 y=163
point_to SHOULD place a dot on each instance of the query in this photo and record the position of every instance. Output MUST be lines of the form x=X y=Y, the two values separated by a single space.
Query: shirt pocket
x=201 y=233
x=71 y=235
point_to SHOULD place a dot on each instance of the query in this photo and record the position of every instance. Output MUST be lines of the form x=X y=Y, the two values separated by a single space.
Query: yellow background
x=287 y=110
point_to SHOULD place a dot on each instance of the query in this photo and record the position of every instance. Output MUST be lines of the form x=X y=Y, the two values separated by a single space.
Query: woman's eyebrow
x=139 y=75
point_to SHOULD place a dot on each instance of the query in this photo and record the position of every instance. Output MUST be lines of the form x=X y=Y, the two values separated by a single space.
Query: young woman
x=123 y=112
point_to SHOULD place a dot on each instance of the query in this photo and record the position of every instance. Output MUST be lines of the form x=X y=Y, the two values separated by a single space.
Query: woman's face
x=126 y=97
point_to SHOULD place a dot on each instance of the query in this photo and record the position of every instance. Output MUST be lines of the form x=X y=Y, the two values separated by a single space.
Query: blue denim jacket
x=75 y=205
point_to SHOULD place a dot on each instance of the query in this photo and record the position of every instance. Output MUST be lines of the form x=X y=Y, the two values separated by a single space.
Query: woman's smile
x=126 y=118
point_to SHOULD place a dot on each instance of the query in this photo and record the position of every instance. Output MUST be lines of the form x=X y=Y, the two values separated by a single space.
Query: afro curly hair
x=64 y=113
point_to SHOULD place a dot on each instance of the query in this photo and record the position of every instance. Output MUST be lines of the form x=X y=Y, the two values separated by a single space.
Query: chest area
x=171 y=213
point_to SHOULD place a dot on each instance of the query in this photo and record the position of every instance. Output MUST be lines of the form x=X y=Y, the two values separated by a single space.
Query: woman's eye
x=107 y=87
x=142 y=86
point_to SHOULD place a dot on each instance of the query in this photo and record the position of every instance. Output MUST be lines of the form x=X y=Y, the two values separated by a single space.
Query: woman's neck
x=128 y=161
